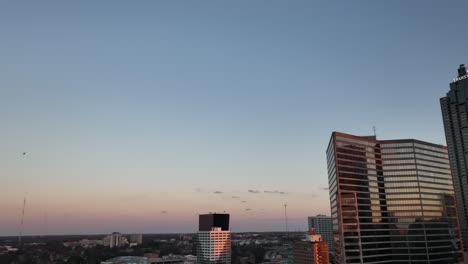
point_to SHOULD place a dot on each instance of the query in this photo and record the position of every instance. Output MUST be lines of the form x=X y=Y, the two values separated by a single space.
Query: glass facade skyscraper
x=455 y=116
x=392 y=201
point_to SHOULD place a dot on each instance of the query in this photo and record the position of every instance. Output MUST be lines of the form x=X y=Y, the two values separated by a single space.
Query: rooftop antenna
x=375 y=133
x=286 y=218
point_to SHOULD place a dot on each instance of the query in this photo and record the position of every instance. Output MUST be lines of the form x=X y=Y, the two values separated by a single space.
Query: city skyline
x=142 y=118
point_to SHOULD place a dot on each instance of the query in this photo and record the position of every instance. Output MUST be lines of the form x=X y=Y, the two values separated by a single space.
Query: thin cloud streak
x=275 y=192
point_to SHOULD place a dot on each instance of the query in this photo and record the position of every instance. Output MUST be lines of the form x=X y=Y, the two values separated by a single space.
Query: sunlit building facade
x=214 y=239
x=392 y=201
x=322 y=224
x=455 y=116
x=312 y=250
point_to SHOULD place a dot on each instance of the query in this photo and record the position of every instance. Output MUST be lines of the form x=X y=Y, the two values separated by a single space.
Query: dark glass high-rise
x=392 y=201
x=455 y=116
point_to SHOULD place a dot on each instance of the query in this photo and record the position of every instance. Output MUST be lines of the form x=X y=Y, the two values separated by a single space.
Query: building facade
x=214 y=239
x=207 y=221
x=392 y=201
x=136 y=238
x=322 y=224
x=115 y=240
x=455 y=116
x=313 y=250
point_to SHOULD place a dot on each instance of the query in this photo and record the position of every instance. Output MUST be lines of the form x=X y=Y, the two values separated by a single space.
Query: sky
x=138 y=116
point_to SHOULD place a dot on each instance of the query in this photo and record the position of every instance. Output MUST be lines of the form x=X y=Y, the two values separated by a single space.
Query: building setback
x=392 y=201
x=455 y=116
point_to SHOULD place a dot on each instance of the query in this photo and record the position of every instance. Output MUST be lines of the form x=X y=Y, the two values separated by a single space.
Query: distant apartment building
x=455 y=116
x=392 y=201
x=322 y=224
x=90 y=243
x=313 y=250
x=214 y=239
x=136 y=238
x=115 y=240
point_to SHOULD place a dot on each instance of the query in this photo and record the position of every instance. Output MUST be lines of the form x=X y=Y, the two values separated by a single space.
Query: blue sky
x=128 y=110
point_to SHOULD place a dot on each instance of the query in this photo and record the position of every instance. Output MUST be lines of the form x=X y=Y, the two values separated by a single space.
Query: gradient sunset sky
x=136 y=116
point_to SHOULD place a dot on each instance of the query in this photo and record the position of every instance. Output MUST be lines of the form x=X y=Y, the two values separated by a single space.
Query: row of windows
x=435 y=174
x=404 y=202
x=427 y=168
x=424 y=157
x=436 y=186
x=402 y=184
x=432 y=196
x=431 y=153
x=398 y=161
x=400 y=178
x=416 y=178
x=398 y=156
x=431 y=148
x=396 y=145
x=438 y=191
x=404 y=208
x=396 y=150
x=403 y=173
x=399 y=167
x=432 y=163
x=351 y=140
x=373 y=180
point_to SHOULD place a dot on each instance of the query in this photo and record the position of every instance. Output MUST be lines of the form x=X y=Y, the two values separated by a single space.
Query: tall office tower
x=214 y=239
x=313 y=250
x=455 y=116
x=392 y=201
x=322 y=224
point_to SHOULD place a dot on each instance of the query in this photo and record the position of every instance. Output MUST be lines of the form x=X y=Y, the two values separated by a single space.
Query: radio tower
x=21 y=225
x=286 y=218
x=20 y=236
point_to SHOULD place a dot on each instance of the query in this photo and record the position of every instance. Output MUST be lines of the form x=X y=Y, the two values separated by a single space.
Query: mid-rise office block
x=392 y=201
x=322 y=224
x=313 y=250
x=455 y=117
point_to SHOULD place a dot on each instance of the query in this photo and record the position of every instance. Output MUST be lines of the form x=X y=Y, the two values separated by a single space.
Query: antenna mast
x=22 y=223
x=20 y=237
x=286 y=218
x=46 y=223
